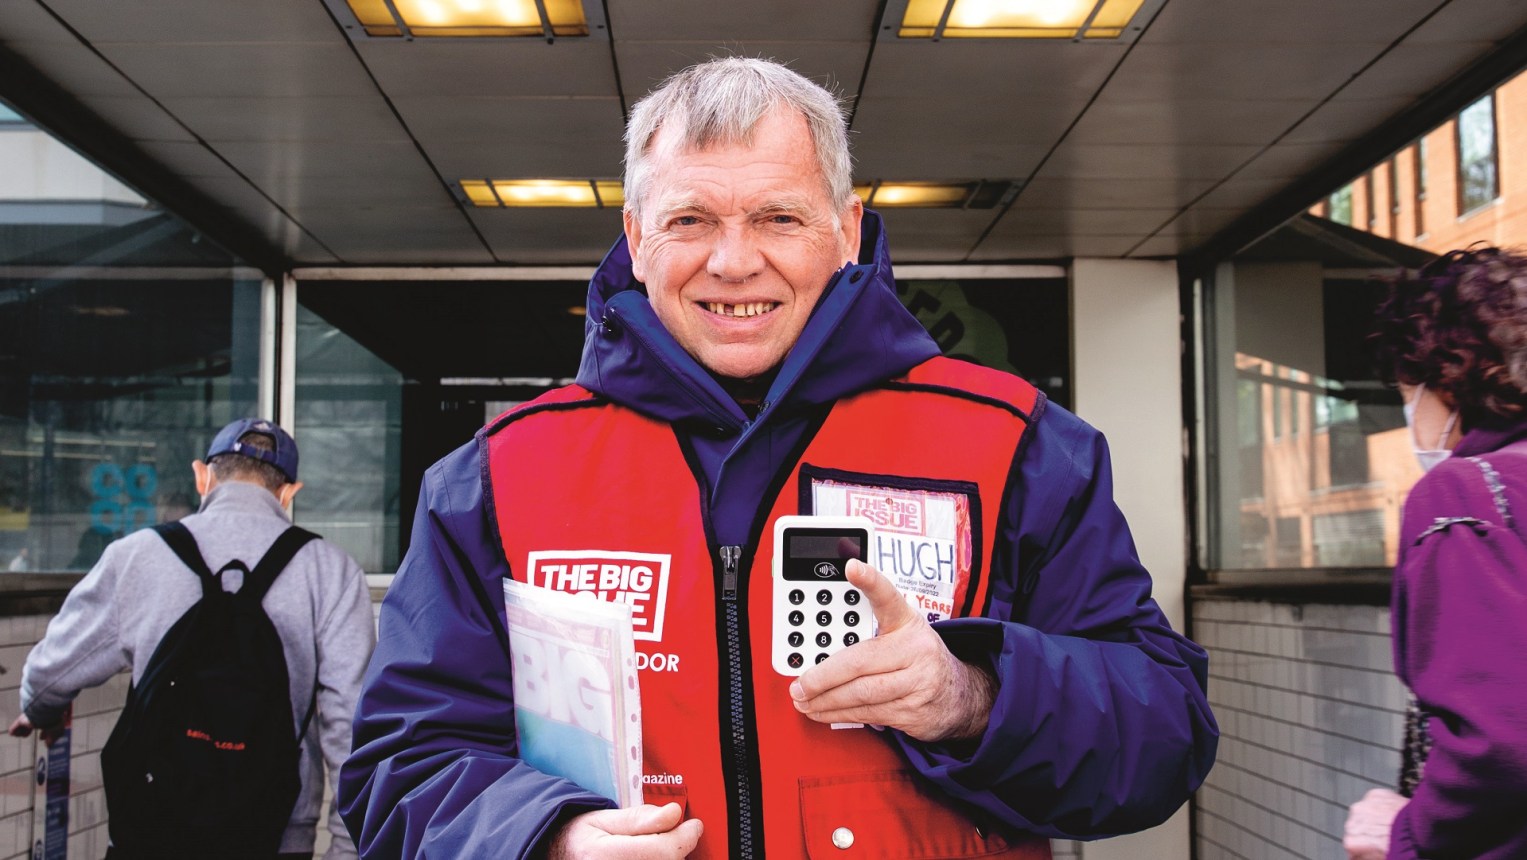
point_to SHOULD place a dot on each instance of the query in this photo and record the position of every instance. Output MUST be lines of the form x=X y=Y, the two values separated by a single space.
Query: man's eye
x=783 y=219
x=685 y=221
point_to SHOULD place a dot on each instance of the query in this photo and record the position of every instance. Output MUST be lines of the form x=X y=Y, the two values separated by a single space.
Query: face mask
x=1428 y=458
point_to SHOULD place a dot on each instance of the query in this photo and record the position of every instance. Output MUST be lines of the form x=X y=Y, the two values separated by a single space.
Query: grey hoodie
x=114 y=618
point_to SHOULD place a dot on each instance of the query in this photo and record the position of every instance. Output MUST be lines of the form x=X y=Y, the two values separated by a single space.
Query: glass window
x=1322 y=460
x=1340 y=206
x=1020 y=326
x=1477 y=184
x=9 y=117
x=126 y=341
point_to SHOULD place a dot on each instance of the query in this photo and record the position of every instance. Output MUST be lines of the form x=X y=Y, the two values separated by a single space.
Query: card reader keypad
x=819 y=621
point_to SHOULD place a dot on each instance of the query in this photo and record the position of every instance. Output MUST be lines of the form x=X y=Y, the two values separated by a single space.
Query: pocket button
x=843 y=838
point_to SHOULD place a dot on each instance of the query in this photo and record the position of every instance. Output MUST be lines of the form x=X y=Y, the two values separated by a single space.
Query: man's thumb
x=891 y=609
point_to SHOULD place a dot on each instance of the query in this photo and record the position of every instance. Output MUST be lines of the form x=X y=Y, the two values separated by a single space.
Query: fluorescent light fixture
x=557 y=193
x=1017 y=19
x=423 y=18
x=980 y=194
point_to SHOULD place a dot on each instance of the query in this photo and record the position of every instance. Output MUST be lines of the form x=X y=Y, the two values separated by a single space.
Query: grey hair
x=721 y=101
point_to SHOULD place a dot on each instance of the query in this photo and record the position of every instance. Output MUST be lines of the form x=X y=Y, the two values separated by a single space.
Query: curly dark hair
x=1459 y=327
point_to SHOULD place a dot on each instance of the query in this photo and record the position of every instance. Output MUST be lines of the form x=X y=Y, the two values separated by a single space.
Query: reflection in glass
x=1321 y=460
x=126 y=341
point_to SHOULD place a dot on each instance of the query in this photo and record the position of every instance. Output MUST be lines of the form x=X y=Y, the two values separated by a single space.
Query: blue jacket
x=1101 y=725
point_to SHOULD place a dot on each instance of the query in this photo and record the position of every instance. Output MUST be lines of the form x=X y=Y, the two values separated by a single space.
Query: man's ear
x=633 y=226
x=852 y=221
x=287 y=493
x=205 y=480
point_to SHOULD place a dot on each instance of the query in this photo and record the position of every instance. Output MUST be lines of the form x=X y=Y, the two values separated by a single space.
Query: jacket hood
x=859 y=334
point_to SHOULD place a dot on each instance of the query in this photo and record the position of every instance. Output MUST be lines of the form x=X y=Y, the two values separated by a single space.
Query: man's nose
x=735 y=256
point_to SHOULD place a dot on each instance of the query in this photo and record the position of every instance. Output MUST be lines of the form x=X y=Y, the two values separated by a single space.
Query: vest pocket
x=890 y=814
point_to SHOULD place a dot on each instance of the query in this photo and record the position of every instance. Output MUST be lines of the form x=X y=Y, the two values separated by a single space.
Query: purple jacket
x=1460 y=643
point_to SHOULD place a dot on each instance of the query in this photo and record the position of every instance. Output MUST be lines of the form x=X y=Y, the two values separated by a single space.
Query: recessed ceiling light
x=568 y=193
x=1017 y=19
x=980 y=194
x=424 y=18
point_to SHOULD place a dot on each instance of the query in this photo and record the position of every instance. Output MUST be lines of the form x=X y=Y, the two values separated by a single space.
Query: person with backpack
x=1453 y=338
x=246 y=637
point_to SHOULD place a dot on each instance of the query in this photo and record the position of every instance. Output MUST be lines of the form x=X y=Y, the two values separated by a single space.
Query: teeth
x=747 y=309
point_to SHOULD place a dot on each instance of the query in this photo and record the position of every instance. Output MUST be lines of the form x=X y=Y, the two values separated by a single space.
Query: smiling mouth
x=746 y=309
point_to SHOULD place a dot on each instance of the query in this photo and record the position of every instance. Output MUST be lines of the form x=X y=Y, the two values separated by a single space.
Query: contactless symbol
x=825 y=569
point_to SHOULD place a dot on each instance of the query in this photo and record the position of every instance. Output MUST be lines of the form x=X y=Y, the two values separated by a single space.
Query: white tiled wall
x=1311 y=717
x=95 y=713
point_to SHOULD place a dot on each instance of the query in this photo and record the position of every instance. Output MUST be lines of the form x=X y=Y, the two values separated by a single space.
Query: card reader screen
x=844 y=546
x=821 y=554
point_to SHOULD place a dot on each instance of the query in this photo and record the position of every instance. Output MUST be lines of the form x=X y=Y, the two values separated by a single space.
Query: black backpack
x=203 y=760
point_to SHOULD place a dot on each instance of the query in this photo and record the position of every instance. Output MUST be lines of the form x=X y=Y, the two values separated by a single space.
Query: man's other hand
x=904 y=677
x=21 y=727
x=1366 y=836
x=628 y=834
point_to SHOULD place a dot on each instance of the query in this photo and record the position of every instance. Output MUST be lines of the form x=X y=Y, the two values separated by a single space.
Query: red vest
x=589 y=495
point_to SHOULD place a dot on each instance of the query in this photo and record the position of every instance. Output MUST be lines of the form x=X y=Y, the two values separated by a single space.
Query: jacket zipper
x=730 y=555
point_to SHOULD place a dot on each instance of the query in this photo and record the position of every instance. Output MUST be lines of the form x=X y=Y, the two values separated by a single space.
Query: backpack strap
x=184 y=545
x=274 y=561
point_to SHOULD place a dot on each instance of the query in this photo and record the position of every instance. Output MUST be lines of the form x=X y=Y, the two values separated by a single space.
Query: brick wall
x=1311 y=717
x=95 y=713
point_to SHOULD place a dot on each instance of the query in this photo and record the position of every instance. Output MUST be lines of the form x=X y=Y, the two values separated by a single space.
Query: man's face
x=737 y=243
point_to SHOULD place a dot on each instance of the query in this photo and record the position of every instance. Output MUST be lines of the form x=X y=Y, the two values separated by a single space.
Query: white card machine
x=816 y=611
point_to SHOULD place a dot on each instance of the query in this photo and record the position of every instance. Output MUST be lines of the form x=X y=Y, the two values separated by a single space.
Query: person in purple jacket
x=1454 y=339
x=751 y=296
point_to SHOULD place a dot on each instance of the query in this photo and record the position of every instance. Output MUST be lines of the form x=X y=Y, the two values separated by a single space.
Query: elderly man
x=745 y=361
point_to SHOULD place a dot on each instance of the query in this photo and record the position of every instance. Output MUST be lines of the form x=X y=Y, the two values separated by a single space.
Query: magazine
x=577 y=704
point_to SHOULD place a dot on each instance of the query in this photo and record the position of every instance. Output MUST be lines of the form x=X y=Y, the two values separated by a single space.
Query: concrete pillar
x=1127 y=375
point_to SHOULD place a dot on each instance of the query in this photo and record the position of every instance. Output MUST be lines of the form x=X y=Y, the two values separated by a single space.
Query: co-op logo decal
x=826 y=570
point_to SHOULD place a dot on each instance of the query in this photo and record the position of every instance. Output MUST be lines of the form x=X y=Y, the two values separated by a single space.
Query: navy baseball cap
x=284 y=457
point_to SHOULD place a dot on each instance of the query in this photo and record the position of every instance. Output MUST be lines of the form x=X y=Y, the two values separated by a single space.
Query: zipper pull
x=729 y=558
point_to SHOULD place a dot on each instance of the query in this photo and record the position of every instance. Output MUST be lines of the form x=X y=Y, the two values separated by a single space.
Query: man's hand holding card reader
x=817 y=612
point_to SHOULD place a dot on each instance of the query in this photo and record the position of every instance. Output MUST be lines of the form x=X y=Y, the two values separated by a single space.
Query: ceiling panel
x=994 y=71
x=836 y=65
x=359 y=117
x=1347 y=119
x=160 y=22
x=1470 y=20
x=74 y=68
x=1054 y=221
x=1410 y=70
x=515 y=123
x=248 y=204
x=1187 y=121
x=934 y=235
x=1156 y=161
x=1020 y=247
x=1290 y=161
x=1128 y=193
x=443 y=68
x=415 y=189
x=706 y=20
x=373 y=234
x=1242 y=193
x=1284 y=22
x=1165 y=246
x=139 y=118
x=269 y=162
x=490 y=159
x=1232 y=71
x=241 y=70
x=546 y=236
x=1200 y=221
x=190 y=160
